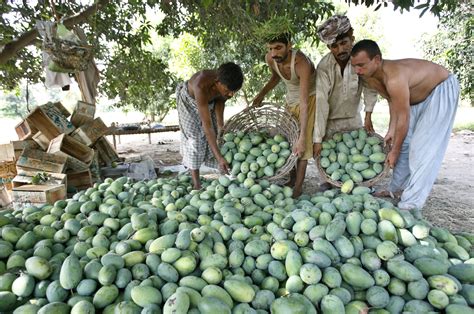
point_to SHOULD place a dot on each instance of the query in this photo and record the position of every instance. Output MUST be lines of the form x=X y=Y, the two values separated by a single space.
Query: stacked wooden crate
x=68 y=152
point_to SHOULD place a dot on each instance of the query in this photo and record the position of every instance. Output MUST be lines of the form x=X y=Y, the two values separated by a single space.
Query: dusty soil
x=450 y=205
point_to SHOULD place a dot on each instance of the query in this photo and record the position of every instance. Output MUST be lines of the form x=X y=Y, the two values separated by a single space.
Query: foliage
x=434 y=6
x=15 y=103
x=453 y=46
x=13 y=106
x=275 y=27
x=137 y=74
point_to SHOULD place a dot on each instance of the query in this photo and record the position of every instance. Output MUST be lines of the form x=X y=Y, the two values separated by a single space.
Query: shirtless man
x=423 y=98
x=200 y=103
x=299 y=75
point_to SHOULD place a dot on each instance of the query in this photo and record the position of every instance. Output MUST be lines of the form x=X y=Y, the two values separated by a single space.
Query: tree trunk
x=28 y=38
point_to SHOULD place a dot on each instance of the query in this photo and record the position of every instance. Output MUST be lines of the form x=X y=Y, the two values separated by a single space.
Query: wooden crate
x=95 y=167
x=83 y=113
x=37 y=160
x=5 y=199
x=19 y=146
x=25 y=177
x=7 y=173
x=106 y=152
x=41 y=140
x=90 y=132
x=25 y=130
x=39 y=194
x=79 y=180
x=50 y=121
x=79 y=156
x=7 y=153
x=62 y=109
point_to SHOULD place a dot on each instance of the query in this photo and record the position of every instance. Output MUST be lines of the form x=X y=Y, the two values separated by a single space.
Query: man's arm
x=219 y=109
x=274 y=80
x=304 y=69
x=202 y=103
x=370 y=98
x=399 y=95
x=323 y=90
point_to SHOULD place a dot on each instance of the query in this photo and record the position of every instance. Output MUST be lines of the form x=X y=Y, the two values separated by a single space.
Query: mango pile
x=158 y=246
x=352 y=156
x=254 y=155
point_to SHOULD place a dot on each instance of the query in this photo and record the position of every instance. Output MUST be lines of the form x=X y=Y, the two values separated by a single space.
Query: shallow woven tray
x=367 y=183
x=274 y=119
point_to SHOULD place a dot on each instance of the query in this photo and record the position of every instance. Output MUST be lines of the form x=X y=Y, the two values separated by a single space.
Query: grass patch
x=463 y=126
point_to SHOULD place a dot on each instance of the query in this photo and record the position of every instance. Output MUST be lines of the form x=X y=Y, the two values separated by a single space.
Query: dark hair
x=349 y=34
x=367 y=45
x=284 y=38
x=230 y=74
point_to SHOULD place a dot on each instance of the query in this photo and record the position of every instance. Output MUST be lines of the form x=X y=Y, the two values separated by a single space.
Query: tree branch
x=9 y=50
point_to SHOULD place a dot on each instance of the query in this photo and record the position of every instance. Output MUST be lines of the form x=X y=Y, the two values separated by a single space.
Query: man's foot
x=324 y=187
x=386 y=193
x=417 y=213
x=296 y=193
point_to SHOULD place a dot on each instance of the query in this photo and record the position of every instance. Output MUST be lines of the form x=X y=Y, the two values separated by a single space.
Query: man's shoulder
x=327 y=62
x=302 y=59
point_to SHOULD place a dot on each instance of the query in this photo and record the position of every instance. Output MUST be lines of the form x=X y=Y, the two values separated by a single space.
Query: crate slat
x=39 y=194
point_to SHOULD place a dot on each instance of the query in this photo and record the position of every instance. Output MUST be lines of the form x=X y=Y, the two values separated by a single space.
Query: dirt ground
x=450 y=205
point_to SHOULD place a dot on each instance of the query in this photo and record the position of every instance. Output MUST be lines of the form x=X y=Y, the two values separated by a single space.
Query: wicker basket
x=367 y=183
x=69 y=55
x=273 y=119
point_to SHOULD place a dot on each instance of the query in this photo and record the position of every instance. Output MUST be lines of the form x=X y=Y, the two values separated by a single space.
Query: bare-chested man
x=423 y=98
x=298 y=73
x=200 y=103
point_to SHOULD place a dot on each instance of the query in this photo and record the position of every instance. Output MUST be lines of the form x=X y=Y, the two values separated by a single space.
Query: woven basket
x=367 y=183
x=69 y=55
x=273 y=119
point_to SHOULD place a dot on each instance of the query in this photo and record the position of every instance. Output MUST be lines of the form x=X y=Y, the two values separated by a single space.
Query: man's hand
x=257 y=101
x=368 y=124
x=388 y=139
x=223 y=165
x=392 y=158
x=317 y=147
x=299 y=148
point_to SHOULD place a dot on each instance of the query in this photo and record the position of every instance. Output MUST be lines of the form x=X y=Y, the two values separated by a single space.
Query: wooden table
x=117 y=132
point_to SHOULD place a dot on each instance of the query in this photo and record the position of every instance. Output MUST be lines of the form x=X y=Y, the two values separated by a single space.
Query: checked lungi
x=194 y=147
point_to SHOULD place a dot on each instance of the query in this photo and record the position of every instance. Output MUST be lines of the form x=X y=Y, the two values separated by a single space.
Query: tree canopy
x=453 y=46
x=134 y=71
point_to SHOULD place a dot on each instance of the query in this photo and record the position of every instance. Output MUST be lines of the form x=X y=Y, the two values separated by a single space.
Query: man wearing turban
x=338 y=87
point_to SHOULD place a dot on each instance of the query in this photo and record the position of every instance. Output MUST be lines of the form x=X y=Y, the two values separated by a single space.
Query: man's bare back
x=422 y=77
x=203 y=82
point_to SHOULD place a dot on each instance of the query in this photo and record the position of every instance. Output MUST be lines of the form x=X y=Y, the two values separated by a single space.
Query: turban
x=333 y=27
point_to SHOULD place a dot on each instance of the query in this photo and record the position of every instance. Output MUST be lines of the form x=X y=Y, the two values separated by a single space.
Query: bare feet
x=296 y=193
x=390 y=194
x=324 y=187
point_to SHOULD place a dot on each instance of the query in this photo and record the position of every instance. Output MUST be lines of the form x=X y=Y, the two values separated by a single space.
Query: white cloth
x=423 y=149
x=338 y=98
x=89 y=78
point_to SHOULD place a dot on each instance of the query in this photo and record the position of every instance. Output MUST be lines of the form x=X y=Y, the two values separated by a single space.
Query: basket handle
x=250 y=111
